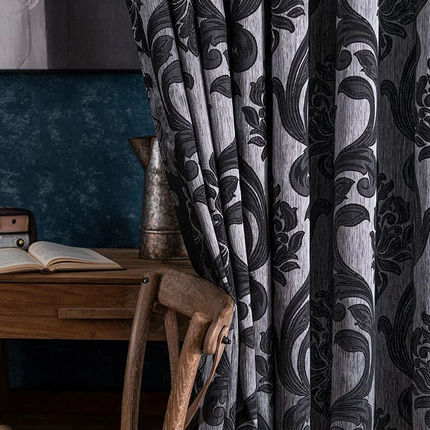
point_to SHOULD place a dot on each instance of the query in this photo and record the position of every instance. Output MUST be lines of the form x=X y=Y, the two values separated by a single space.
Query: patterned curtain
x=296 y=137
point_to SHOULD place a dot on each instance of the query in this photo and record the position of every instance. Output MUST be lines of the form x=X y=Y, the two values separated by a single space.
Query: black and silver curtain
x=296 y=137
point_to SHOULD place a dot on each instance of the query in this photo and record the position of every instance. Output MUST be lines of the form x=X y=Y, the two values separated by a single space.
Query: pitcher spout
x=142 y=147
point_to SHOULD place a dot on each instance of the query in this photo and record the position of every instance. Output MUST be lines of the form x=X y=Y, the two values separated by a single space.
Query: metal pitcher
x=160 y=237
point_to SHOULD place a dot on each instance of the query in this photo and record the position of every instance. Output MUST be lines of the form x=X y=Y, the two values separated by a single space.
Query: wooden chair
x=211 y=312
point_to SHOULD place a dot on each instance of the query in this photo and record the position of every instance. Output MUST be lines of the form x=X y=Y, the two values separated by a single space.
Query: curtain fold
x=295 y=136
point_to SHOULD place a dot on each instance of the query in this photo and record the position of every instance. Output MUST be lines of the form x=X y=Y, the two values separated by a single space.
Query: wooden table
x=75 y=305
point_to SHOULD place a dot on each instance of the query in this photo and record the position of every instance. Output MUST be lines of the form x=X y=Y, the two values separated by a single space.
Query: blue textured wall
x=64 y=155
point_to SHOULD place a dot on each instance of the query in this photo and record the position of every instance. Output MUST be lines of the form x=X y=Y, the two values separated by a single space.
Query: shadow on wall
x=82 y=365
x=65 y=155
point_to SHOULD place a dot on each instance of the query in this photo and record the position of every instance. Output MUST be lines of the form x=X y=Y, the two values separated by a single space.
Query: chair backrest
x=211 y=313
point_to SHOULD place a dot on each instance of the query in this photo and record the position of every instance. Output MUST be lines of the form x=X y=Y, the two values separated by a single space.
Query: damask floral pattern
x=421 y=354
x=394 y=234
x=296 y=136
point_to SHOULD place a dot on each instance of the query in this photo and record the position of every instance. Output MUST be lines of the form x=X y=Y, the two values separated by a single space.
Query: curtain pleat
x=421 y=279
x=295 y=137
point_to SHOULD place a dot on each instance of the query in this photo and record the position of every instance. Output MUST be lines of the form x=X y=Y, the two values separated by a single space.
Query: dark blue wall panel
x=64 y=154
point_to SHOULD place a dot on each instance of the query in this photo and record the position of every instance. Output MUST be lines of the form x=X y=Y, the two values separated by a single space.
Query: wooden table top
x=135 y=270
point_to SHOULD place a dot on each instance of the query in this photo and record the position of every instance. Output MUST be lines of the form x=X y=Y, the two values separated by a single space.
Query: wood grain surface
x=136 y=354
x=135 y=269
x=64 y=305
x=185 y=373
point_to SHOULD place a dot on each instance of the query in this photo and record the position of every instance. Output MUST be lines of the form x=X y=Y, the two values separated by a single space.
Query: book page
x=49 y=253
x=12 y=258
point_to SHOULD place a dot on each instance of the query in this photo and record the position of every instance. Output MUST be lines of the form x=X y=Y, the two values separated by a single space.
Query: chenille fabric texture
x=296 y=139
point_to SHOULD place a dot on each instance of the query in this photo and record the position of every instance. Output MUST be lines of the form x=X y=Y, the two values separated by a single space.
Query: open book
x=50 y=257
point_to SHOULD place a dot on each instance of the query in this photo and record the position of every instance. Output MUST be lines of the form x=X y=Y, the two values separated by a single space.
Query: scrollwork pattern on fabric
x=295 y=136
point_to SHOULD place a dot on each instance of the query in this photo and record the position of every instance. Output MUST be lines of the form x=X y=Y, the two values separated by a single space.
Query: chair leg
x=172 y=336
x=136 y=353
x=186 y=372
